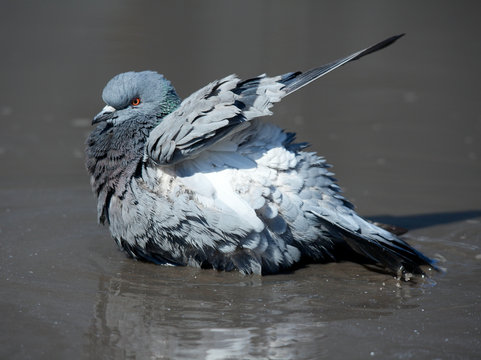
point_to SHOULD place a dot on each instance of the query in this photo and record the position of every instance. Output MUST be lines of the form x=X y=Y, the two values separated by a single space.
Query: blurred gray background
x=402 y=127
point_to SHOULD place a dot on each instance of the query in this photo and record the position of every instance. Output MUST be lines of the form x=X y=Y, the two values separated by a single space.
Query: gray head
x=134 y=94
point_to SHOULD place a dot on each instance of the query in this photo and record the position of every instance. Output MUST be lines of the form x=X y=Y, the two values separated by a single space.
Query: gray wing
x=225 y=106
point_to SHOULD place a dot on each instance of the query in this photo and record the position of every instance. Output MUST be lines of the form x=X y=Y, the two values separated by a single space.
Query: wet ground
x=403 y=128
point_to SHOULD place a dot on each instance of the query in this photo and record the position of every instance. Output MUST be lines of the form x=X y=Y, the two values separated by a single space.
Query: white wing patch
x=228 y=179
x=215 y=190
x=278 y=158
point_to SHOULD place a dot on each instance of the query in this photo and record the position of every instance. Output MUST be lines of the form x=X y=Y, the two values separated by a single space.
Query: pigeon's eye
x=135 y=101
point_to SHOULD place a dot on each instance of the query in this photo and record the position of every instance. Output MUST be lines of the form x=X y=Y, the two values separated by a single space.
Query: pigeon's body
x=206 y=183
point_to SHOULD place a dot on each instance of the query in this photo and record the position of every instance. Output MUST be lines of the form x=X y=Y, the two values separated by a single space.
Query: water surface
x=402 y=127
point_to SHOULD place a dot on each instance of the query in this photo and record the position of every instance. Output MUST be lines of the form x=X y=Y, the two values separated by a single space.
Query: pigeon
x=207 y=182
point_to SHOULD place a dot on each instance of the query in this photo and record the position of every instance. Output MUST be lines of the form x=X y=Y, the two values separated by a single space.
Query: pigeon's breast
x=114 y=156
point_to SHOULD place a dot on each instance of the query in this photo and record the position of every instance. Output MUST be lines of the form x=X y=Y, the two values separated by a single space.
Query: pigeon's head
x=134 y=94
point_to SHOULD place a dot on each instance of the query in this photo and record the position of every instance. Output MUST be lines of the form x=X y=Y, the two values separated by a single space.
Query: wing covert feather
x=218 y=109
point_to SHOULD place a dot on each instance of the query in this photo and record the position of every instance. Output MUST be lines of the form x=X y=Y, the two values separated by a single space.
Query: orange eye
x=135 y=101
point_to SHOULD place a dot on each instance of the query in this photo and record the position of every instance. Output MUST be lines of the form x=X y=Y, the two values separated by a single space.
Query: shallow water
x=402 y=127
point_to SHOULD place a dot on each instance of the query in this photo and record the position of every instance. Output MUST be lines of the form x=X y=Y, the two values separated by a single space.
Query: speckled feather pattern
x=205 y=182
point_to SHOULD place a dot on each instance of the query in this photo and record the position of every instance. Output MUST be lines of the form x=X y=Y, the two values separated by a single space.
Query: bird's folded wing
x=225 y=106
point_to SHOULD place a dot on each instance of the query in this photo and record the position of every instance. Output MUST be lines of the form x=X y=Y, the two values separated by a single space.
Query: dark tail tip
x=379 y=46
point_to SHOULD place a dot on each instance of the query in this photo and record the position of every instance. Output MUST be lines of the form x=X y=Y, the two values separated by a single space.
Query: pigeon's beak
x=106 y=113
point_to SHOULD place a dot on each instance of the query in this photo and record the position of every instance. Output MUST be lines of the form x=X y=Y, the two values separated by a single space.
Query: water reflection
x=154 y=312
